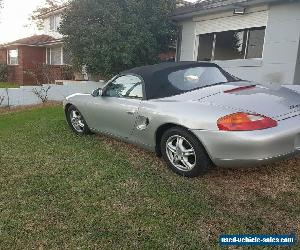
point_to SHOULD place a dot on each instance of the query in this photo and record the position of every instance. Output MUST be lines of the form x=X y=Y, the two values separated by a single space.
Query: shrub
x=43 y=74
x=46 y=74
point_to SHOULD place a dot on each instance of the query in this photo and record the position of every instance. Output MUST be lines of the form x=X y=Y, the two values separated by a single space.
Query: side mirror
x=97 y=92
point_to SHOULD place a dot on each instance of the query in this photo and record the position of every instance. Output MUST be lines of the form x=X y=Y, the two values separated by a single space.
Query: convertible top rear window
x=178 y=81
x=194 y=78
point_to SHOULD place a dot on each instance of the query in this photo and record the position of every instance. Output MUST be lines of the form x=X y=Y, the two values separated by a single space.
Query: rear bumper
x=243 y=163
x=252 y=148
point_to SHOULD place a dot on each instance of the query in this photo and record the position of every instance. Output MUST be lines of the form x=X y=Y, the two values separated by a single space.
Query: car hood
x=278 y=102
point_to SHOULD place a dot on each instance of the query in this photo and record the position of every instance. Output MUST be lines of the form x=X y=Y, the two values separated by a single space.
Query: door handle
x=130 y=112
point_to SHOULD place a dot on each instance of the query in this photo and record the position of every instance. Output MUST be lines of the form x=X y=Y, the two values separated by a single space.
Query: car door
x=116 y=110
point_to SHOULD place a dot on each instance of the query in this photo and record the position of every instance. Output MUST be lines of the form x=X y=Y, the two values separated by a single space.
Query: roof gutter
x=193 y=11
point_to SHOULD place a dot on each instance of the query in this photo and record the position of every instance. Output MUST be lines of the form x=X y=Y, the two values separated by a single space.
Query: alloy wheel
x=181 y=153
x=77 y=121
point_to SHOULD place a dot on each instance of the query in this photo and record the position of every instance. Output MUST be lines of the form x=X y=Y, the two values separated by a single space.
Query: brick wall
x=15 y=72
x=3 y=54
x=31 y=58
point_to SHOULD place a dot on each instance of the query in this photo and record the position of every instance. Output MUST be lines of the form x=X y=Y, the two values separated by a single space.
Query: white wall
x=25 y=94
x=188 y=41
x=282 y=43
x=280 y=63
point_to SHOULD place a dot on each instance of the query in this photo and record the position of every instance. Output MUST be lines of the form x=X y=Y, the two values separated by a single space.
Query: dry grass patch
x=17 y=109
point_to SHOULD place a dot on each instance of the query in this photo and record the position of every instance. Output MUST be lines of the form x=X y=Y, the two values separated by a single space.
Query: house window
x=54 y=22
x=54 y=56
x=255 y=43
x=233 y=44
x=58 y=56
x=230 y=45
x=48 y=56
x=13 y=57
x=206 y=43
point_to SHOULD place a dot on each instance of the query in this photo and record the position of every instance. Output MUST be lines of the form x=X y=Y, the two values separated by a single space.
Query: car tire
x=184 y=153
x=76 y=121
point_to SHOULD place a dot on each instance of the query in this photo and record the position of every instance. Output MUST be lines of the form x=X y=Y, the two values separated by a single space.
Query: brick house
x=25 y=55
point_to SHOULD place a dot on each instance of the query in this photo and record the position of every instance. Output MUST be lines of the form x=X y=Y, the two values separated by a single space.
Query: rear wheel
x=76 y=121
x=184 y=153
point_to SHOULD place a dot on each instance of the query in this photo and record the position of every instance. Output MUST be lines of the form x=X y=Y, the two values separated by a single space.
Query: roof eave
x=194 y=11
x=51 y=43
x=45 y=44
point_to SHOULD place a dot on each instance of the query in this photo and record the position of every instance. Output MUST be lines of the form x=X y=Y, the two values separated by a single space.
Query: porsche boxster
x=193 y=114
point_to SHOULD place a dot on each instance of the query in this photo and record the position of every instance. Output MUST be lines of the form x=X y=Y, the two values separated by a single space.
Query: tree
x=1 y=5
x=109 y=36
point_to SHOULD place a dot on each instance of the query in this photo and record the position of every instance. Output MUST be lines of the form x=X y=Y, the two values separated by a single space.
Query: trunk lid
x=279 y=102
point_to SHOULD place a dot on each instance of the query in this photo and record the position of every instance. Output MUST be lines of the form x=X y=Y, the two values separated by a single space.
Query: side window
x=232 y=44
x=128 y=86
x=52 y=23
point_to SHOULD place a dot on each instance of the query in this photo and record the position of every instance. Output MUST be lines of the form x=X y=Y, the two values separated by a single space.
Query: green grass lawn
x=59 y=190
x=9 y=85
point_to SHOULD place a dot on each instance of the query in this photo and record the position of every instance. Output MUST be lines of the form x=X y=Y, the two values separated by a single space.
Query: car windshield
x=198 y=77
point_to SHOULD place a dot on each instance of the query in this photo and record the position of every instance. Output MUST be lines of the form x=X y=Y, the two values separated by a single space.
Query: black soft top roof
x=156 y=76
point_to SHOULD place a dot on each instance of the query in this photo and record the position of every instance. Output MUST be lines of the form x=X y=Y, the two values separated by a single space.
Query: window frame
x=50 y=57
x=9 y=58
x=123 y=97
x=248 y=30
x=55 y=23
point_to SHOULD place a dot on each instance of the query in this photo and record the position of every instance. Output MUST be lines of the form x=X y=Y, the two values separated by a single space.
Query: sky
x=14 y=19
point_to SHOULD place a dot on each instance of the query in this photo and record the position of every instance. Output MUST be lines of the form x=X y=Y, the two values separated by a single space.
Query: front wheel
x=184 y=153
x=76 y=121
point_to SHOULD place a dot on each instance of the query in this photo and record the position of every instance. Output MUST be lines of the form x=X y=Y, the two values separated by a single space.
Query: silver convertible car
x=193 y=114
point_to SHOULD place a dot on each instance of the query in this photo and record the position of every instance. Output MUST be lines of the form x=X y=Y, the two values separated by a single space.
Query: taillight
x=245 y=122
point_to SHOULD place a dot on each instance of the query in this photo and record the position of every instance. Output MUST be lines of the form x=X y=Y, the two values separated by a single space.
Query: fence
x=25 y=94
